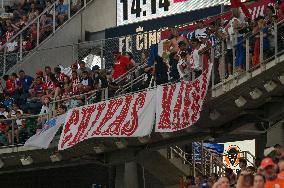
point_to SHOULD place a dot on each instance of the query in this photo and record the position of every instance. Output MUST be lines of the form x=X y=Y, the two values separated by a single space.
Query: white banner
x=43 y=138
x=180 y=104
x=127 y=116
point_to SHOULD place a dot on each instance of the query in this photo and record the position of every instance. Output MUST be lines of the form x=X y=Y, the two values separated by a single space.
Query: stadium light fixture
x=270 y=86
x=99 y=149
x=26 y=160
x=121 y=144
x=281 y=78
x=240 y=102
x=1 y=163
x=214 y=115
x=55 y=157
x=145 y=139
x=166 y=135
x=256 y=94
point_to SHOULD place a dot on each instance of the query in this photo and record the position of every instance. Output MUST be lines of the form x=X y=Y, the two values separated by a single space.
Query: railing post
x=223 y=61
x=69 y=9
x=275 y=42
x=85 y=3
x=54 y=18
x=247 y=56
x=194 y=162
x=102 y=55
x=2 y=4
x=234 y=43
x=13 y=133
x=211 y=163
x=5 y=61
x=212 y=59
x=37 y=32
x=261 y=50
x=202 y=158
x=21 y=47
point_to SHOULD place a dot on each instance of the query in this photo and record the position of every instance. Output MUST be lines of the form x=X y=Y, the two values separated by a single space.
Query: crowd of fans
x=21 y=15
x=265 y=173
x=188 y=54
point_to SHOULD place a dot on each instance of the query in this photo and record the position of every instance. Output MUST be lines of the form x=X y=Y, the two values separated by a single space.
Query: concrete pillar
x=127 y=176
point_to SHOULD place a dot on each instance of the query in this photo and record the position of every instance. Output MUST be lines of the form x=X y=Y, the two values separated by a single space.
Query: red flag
x=239 y=4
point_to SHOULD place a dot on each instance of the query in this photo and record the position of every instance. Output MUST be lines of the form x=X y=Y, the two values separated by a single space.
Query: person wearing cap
x=270 y=172
x=39 y=74
x=82 y=68
x=176 y=38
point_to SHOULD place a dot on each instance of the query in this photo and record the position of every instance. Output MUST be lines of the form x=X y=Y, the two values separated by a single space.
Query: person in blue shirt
x=61 y=11
x=25 y=82
x=8 y=101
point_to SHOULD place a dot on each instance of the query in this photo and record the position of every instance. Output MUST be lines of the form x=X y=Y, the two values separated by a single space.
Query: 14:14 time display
x=137 y=10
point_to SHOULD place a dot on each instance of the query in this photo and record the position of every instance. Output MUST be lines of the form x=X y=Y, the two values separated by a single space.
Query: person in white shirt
x=196 y=59
x=44 y=111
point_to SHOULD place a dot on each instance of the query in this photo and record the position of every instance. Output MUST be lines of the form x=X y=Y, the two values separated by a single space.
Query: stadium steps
x=167 y=171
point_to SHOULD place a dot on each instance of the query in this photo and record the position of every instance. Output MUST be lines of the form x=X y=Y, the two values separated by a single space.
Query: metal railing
x=267 y=45
x=209 y=163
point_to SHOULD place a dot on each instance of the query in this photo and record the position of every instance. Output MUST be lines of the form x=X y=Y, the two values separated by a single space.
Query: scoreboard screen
x=131 y=11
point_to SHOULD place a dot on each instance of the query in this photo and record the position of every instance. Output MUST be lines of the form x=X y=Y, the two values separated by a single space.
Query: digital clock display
x=131 y=11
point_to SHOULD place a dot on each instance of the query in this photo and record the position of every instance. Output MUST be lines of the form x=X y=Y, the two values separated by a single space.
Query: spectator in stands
x=173 y=62
x=75 y=81
x=86 y=83
x=47 y=70
x=223 y=182
x=130 y=57
x=243 y=166
x=200 y=32
x=259 y=181
x=62 y=109
x=279 y=151
x=44 y=112
x=183 y=66
x=121 y=65
x=281 y=168
x=61 y=11
x=269 y=170
x=229 y=173
x=197 y=60
x=53 y=86
x=83 y=68
x=9 y=85
x=8 y=101
x=75 y=6
x=245 y=180
x=39 y=88
x=260 y=27
x=238 y=26
x=95 y=72
x=213 y=179
x=26 y=83
x=161 y=71
x=175 y=38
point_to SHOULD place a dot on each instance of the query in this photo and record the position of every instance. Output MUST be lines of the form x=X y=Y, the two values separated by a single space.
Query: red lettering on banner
x=168 y=91
x=87 y=113
x=187 y=102
x=177 y=108
x=73 y=120
x=113 y=105
x=100 y=109
x=195 y=107
x=114 y=128
x=138 y=104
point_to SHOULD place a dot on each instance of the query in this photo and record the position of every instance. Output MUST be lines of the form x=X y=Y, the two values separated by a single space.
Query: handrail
x=30 y=23
x=130 y=84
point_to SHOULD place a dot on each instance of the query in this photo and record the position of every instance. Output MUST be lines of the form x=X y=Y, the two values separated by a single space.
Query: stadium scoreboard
x=132 y=11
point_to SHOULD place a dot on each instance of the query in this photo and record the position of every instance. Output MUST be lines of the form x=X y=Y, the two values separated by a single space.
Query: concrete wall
x=275 y=135
x=100 y=16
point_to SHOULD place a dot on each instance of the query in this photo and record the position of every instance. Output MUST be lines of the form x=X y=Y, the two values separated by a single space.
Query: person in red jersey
x=121 y=65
